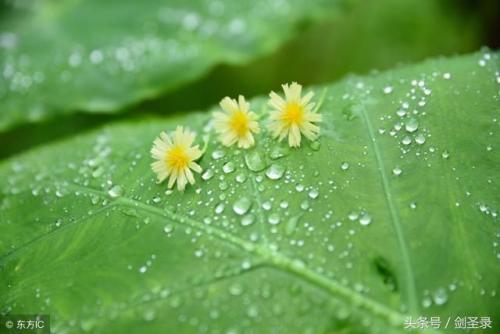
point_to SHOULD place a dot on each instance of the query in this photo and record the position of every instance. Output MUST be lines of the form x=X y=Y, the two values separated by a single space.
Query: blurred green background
x=358 y=37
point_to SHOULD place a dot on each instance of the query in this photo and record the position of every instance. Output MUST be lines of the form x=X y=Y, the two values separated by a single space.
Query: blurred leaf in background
x=347 y=36
x=99 y=56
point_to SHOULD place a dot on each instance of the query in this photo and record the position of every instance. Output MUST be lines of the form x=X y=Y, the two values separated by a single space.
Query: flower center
x=177 y=158
x=294 y=114
x=239 y=123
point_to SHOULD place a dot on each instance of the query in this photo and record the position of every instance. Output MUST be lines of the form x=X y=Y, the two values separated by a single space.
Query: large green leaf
x=61 y=56
x=393 y=212
x=45 y=52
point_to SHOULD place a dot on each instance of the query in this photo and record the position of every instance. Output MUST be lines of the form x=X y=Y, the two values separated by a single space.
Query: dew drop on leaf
x=365 y=219
x=411 y=125
x=208 y=174
x=247 y=220
x=242 y=205
x=228 y=167
x=217 y=154
x=315 y=145
x=168 y=228
x=440 y=296
x=420 y=139
x=115 y=191
x=313 y=193
x=274 y=219
x=397 y=171
x=255 y=161
x=241 y=178
x=275 y=172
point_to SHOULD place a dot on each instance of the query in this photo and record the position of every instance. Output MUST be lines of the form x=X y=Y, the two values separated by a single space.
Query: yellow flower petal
x=293 y=116
x=175 y=158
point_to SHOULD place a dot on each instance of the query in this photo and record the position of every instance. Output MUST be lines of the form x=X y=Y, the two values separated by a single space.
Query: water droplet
x=344 y=165
x=96 y=56
x=278 y=152
x=353 y=215
x=387 y=90
x=143 y=269
x=299 y=187
x=445 y=155
x=304 y=205
x=315 y=145
x=168 y=228
x=247 y=220
x=242 y=205
x=219 y=208
x=313 y=193
x=207 y=175
x=198 y=253
x=365 y=219
x=397 y=171
x=420 y=139
x=274 y=219
x=447 y=76
x=406 y=140
x=235 y=289
x=255 y=161
x=228 y=167
x=217 y=154
x=426 y=302
x=413 y=205
x=411 y=125
x=401 y=112
x=440 y=296
x=241 y=177
x=115 y=191
x=275 y=172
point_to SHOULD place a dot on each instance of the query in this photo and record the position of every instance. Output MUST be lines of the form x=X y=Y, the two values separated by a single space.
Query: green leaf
x=98 y=56
x=393 y=212
x=38 y=47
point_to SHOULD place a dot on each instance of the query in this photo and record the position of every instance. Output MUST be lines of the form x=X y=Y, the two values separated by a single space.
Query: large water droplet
x=242 y=205
x=420 y=139
x=218 y=154
x=247 y=220
x=115 y=191
x=365 y=219
x=397 y=171
x=274 y=219
x=208 y=174
x=344 y=165
x=315 y=145
x=228 y=167
x=313 y=193
x=168 y=228
x=440 y=296
x=278 y=152
x=255 y=161
x=275 y=172
x=411 y=125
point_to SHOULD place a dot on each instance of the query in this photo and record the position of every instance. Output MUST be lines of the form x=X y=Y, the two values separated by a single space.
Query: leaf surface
x=65 y=56
x=344 y=234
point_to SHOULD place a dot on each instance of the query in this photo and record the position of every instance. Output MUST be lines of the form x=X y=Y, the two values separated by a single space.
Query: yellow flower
x=293 y=115
x=176 y=158
x=237 y=123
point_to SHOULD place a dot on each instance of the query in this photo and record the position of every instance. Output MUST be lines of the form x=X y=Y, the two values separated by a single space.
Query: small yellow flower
x=237 y=123
x=176 y=158
x=293 y=115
